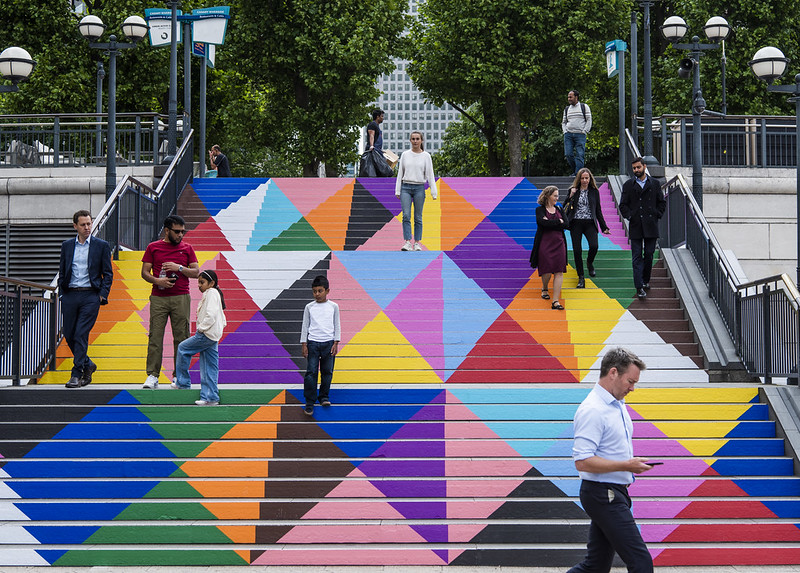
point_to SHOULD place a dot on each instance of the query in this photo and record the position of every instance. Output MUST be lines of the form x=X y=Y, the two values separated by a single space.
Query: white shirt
x=415 y=168
x=321 y=322
x=603 y=428
x=210 y=316
x=80 y=265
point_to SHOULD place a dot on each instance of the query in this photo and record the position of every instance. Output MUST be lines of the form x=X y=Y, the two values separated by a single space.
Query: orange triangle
x=330 y=219
x=234 y=510
x=239 y=533
x=252 y=432
x=229 y=489
x=459 y=217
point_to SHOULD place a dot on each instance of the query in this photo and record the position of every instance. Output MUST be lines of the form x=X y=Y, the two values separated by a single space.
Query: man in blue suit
x=84 y=281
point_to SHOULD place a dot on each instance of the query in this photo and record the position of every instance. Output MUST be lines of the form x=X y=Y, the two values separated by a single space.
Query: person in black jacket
x=549 y=253
x=584 y=217
x=85 y=275
x=643 y=204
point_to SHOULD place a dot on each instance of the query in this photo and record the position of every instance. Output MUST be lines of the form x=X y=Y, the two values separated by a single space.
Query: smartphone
x=655 y=463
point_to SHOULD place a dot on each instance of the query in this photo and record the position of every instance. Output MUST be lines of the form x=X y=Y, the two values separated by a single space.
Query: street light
x=649 y=159
x=769 y=64
x=717 y=30
x=92 y=28
x=15 y=65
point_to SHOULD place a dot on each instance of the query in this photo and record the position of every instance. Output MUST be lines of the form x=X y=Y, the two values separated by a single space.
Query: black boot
x=581 y=283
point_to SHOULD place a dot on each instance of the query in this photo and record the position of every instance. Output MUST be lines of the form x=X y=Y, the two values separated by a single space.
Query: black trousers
x=613 y=529
x=578 y=229
x=79 y=309
x=642 y=258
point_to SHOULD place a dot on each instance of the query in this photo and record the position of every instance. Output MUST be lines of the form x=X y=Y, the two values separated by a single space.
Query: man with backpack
x=575 y=124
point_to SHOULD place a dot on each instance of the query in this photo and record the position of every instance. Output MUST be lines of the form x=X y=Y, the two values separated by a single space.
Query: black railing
x=763 y=316
x=30 y=329
x=731 y=141
x=66 y=140
x=133 y=215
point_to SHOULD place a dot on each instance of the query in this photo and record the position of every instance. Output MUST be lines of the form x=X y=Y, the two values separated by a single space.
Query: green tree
x=521 y=56
x=315 y=63
x=464 y=151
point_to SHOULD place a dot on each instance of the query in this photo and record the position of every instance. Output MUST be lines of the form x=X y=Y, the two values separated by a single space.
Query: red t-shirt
x=160 y=252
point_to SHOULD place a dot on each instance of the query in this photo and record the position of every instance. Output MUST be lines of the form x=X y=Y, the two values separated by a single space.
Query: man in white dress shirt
x=603 y=455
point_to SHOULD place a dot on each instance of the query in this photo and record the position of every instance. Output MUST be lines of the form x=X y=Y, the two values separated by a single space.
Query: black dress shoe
x=581 y=283
x=641 y=294
x=86 y=379
x=592 y=273
x=75 y=382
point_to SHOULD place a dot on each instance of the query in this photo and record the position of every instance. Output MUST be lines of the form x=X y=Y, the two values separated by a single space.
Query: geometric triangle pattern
x=466 y=309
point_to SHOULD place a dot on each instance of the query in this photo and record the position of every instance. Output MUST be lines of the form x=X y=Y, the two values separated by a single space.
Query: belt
x=80 y=289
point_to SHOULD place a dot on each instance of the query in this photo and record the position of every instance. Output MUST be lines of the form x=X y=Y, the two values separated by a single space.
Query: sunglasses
x=178 y=231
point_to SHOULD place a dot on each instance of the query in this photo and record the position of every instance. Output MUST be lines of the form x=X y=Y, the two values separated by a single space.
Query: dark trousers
x=578 y=229
x=612 y=530
x=79 y=310
x=642 y=258
x=320 y=360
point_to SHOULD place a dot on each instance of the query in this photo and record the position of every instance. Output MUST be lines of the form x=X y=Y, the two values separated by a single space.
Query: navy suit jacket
x=101 y=274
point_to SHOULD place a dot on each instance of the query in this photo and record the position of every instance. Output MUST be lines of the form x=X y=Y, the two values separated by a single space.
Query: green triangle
x=195 y=414
x=159 y=534
x=174 y=489
x=186 y=449
x=192 y=431
x=142 y=557
x=179 y=473
x=165 y=511
x=301 y=236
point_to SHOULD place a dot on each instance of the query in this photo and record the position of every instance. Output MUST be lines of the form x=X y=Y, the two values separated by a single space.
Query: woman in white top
x=414 y=170
x=210 y=323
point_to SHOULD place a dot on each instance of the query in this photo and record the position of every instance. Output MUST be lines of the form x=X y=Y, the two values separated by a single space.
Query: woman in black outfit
x=549 y=254
x=583 y=206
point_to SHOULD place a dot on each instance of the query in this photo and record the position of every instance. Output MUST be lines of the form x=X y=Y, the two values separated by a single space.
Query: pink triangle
x=463 y=532
x=349 y=556
x=309 y=193
x=375 y=533
x=347 y=509
x=355 y=488
x=647 y=430
x=657 y=532
x=207 y=236
x=356 y=304
x=481 y=488
x=484 y=193
x=388 y=238
x=422 y=326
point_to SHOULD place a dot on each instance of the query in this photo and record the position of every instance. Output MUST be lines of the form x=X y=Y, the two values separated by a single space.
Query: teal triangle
x=276 y=215
x=385 y=275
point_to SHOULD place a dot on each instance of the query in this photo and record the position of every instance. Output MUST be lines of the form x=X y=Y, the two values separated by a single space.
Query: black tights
x=578 y=229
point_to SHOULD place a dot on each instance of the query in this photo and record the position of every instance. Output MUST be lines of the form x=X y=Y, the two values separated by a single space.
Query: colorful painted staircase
x=449 y=439
x=453 y=475
x=466 y=309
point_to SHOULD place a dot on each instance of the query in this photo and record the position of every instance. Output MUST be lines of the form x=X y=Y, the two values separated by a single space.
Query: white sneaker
x=205 y=403
x=407 y=246
x=417 y=247
x=174 y=386
x=151 y=382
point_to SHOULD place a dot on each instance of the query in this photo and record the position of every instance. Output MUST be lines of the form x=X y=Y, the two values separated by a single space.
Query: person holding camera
x=219 y=161
x=168 y=264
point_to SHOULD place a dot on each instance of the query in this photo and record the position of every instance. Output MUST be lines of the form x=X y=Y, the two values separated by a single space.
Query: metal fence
x=730 y=141
x=67 y=140
x=31 y=325
x=130 y=219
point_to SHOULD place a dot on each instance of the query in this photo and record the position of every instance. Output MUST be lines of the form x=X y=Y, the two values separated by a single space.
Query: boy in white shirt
x=320 y=337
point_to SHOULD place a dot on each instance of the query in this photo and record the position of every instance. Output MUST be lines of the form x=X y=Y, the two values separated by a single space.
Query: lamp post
x=172 y=108
x=648 y=90
x=101 y=74
x=92 y=28
x=15 y=65
x=769 y=64
x=716 y=29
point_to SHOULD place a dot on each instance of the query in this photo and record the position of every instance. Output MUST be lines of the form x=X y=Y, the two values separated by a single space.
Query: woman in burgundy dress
x=549 y=253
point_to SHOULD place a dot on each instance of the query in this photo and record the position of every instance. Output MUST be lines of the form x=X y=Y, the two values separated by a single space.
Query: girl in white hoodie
x=205 y=342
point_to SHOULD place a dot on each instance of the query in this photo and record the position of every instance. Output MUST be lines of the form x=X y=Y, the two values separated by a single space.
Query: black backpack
x=583 y=109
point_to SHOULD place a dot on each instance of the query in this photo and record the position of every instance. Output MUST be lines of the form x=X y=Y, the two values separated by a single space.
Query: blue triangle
x=277 y=214
x=124 y=397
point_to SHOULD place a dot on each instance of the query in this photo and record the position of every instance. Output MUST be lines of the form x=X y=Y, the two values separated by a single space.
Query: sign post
x=615 y=66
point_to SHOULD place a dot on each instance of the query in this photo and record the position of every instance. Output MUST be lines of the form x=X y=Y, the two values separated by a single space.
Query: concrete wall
x=53 y=194
x=753 y=213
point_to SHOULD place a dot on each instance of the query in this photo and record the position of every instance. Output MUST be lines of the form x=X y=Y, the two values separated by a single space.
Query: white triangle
x=21 y=558
x=237 y=220
x=266 y=274
x=5 y=491
x=17 y=535
x=10 y=512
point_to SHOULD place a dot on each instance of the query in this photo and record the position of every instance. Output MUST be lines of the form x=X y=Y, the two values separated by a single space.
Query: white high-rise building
x=407 y=111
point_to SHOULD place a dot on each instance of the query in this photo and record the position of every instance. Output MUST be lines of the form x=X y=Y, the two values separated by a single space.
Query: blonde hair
x=546 y=192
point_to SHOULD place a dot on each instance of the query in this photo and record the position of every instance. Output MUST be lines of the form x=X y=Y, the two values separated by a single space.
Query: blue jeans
x=574 y=149
x=209 y=365
x=412 y=192
x=319 y=360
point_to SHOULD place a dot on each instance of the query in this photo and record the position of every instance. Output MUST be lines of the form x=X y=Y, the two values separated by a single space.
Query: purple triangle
x=432 y=533
x=374 y=468
x=406 y=488
x=421 y=509
x=405 y=449
x=419 y=432
x=430 y=413
x=383 y=190
x=249 y=351
x=444 y=554
x=502 y=284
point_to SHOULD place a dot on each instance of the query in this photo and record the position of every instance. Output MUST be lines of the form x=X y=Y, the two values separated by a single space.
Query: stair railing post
x=53 y=338
x=766 y=334
x=16 y=339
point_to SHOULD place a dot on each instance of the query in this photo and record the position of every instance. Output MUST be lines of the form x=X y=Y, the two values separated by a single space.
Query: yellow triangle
x=204 y=256
x=703 y=447
x=677 y=430
x=379 y=353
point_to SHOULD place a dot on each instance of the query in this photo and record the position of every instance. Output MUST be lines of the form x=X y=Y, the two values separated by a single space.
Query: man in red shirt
x=168 y=264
